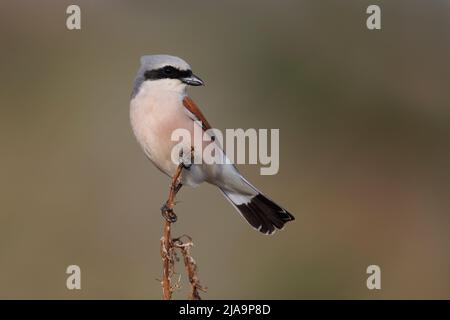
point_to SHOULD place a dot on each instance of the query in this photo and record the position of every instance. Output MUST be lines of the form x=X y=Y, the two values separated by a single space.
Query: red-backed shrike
x=159 y=105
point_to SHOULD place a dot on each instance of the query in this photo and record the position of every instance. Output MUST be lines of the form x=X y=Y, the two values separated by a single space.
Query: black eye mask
x=167 y=72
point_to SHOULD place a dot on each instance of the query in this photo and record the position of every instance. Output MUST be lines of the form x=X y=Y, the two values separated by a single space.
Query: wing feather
x=195 y=111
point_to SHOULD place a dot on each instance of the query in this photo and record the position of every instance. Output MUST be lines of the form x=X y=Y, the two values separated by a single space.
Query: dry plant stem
x=166 y=241
x=191 y=267
x=166 y=256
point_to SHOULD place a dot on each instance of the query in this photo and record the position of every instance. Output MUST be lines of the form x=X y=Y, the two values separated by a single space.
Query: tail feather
x=260 y=212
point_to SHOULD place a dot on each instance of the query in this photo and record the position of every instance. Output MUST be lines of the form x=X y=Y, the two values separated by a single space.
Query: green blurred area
x=364 y=120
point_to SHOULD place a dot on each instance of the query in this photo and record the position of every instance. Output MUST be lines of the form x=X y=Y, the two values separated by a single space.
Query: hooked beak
x=193 y=80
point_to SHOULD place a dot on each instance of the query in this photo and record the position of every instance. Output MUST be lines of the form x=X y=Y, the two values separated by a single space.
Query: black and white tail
x=260 y=212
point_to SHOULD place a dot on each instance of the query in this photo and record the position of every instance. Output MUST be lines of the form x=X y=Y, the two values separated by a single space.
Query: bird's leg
x=175 y=186
x=187 y=166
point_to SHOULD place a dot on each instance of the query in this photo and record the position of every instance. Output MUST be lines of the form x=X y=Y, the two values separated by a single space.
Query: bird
x=159 y=105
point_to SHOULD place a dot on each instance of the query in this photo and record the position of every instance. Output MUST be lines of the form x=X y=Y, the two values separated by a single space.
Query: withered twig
x=191 y=266
x=168 y=246
x=166 y=241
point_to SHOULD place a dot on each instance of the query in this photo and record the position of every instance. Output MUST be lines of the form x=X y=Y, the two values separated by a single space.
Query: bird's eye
x=169 y=71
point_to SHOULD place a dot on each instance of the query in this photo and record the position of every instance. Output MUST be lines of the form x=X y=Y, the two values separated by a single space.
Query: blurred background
x=364 y=119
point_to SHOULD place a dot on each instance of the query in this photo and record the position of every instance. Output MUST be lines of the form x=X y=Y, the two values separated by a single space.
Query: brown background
x=364 y=125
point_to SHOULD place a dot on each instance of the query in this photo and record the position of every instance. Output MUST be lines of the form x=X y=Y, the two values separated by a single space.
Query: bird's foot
x=185 y=161
x=186 y=166
x=168 y=213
